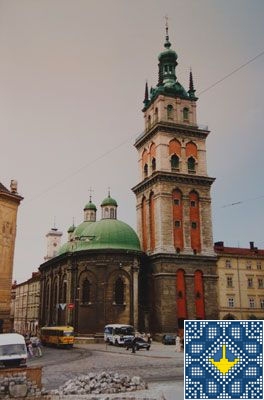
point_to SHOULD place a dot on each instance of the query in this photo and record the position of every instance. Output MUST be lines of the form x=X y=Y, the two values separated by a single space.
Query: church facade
x=105 y=273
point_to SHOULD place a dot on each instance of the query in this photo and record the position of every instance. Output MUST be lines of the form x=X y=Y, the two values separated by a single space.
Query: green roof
x=71 y=229
x=103 y=235
x=109 y=201
x=80 y=228
x=90 y=206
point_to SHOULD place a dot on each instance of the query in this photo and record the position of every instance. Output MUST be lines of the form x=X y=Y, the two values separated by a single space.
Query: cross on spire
x=90 y=190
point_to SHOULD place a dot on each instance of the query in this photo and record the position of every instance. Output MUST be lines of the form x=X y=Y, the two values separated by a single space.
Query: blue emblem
x=223 y=359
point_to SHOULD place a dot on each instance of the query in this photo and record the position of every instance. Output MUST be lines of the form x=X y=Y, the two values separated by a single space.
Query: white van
x=117 y=333
x=13 y=350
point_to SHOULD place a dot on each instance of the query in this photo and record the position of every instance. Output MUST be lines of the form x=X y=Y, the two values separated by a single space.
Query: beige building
x=26 y=305
x=241 y=282
x=9 y=202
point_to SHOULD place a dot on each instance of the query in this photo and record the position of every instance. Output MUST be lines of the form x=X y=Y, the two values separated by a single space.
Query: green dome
x=71 y=229
x=109 y=234
x=108 y=201
x=80 y=228
x=90 y=206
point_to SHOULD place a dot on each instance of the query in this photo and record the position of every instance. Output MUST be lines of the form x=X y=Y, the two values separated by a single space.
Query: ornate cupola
x=90 y=211
x=109 y=208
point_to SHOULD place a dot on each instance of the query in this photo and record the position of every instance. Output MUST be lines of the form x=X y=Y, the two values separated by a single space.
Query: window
x=194 y=225
x=193 y=204
x=248 y=264
x=251 y=302
x=262 y=303
x=169 y=111
x=153 y=164
x=229 y=281
x=250 y=282
x=145 y=170
x=86 y=291
x=230 y=302
x=260 y=283
x=191 y=164
x=176 y=202
x=185 y=114
x=259 y=265
x=149 y=121
x=228 y=264
x=177 y=224
x=175 y=162
x=119 y=291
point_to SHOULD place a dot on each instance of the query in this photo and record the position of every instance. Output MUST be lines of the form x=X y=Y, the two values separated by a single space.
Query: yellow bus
x=60 y=336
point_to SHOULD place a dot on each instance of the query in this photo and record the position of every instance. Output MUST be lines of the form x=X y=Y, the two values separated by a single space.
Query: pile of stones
x=102 y=383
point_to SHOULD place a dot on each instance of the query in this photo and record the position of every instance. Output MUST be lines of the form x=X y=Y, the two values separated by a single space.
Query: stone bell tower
x=174 y=205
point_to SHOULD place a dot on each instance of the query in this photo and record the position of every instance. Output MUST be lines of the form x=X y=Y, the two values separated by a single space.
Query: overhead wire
x=133 y=136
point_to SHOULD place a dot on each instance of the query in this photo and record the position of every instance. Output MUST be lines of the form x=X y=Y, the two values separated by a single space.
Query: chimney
x=251 y=244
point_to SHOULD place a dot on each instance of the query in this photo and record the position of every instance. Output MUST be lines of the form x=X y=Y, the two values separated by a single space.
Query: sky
x=72 y=78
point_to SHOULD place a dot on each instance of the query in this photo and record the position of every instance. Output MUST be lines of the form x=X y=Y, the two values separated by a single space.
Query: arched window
x=191 y=164
x=64 y=292
x=119 y=291
x=175 y=162
x=145 y=170
x=86 y=291
x=153 y=164
x=186 y=114
x=169 y=111
x=112 y=213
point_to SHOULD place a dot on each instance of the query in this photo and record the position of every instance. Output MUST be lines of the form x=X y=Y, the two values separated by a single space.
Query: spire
x=146 y=98
x=191 y=90
x=167 y=43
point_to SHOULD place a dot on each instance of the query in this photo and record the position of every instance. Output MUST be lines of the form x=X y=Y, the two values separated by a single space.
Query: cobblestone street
x=161 y=367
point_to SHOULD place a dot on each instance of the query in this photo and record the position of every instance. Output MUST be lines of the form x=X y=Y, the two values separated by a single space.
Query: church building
x=106 y=273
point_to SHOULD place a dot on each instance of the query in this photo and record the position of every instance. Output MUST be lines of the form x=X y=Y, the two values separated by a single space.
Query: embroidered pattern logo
x=223 y=359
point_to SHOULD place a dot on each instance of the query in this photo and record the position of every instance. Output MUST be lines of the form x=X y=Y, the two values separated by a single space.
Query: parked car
x=169 y=339
x=139 y=343
x=13 y=350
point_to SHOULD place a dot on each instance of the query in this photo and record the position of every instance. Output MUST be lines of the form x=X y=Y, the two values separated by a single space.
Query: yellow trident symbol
x=224 y=364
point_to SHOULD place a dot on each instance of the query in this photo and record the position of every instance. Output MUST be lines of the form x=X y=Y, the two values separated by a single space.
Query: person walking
x=178 y=343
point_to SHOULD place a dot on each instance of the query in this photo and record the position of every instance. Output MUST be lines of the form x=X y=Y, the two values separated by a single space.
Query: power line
x=231 y=73
x=242 y=201
x=131 y=137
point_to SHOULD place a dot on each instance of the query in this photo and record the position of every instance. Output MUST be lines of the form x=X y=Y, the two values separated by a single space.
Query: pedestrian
x=134 y=341
x=149 y=340
x=178 y=343
x=30 y=349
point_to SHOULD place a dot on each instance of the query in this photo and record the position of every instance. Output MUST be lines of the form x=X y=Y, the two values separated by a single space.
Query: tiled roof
x=3 y=188
x=238 y=251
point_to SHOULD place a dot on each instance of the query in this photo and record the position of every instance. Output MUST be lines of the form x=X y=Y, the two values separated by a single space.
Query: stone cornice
x=172 y=129
x=159 y=176
x=182 y=257
x=11 y=196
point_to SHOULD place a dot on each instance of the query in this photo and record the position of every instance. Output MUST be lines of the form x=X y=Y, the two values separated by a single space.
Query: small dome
x=71 y=229
x=109 y=201
x=90 y=206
